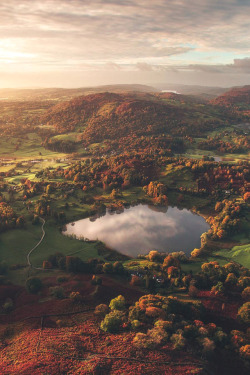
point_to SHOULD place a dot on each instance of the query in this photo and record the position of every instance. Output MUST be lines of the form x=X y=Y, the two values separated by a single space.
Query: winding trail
x=31 y=251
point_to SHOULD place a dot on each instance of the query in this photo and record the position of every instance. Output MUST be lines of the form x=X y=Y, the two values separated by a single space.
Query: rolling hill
x=237 y=98
x=112 y=115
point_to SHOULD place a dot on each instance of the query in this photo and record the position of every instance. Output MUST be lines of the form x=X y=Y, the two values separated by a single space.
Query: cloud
x=117 y=34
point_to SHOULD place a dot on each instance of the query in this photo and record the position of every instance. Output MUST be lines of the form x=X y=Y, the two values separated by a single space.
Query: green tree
x=244 y=313
x=117 y=303
x=33 y=284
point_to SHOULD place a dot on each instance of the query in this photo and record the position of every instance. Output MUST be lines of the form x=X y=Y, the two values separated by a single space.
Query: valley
x=67 y=155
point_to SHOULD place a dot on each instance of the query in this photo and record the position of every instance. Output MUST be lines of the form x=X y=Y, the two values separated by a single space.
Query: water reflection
x=142 y=228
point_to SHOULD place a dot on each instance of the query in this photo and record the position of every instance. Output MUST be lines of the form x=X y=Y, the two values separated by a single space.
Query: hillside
x=237 y=98
x=110 y=116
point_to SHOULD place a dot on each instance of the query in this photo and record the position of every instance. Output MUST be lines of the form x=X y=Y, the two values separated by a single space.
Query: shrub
x=57 y=292
x=151 y=340
x=62 y=279
x=112 y=321
x=178 y=341
x=190 y=331
x=136 y=281
x=117 y=303
x=218 y=288
x=135 y=325
x=196 y=253
x=75 y=297
x=154 y=256
x=193 y=291
x=155 y=312
x=8 y=305
x=207 y=345
x=164 y=324
x=107 y=268
x=101 y=310
x=220 y=338
x=245 y=352
x=246 y=294
x=33 y=284
x=244 y=313
x=118 y=268
x=141 y=341
x=96 y=280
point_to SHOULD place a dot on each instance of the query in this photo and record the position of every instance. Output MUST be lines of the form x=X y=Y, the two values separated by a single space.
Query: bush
x=57 y=292
x=8 y=305
x=155 y=312
x=246 y=294
x=164 y=324
x=178 y=341
x=75 y=297
x=154 y=256
x=151 y=340
x=135 y=325
x=33 y=284
x=117 y=303
x=193 y=291
x=245 y=352
x=107 y=268
x=136 y=281
x=62 y=279
x=218 y=288
x=96 y=280
x=112 y=321
x=118 y=268
x=244 y=313
x=101 y=310
x=207 y=345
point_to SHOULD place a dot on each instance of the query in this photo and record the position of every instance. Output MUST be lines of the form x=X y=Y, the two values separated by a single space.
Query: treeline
x=8 y=218
x=236 y=145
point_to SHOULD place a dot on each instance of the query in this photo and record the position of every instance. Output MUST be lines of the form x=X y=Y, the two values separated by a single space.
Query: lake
x=142 y=228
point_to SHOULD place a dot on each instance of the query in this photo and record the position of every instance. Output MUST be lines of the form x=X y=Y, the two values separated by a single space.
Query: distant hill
x=204 y=92
x=110 y=116
x=237 y=97
x=62 y=94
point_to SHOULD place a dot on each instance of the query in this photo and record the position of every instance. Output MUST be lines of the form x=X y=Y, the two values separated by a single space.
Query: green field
x=239 y=254
x=15 y=244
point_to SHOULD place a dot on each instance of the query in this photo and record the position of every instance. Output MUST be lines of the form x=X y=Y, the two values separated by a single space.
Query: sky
x=79 y=43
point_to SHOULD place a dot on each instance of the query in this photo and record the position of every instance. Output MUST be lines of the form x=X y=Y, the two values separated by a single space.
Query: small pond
x=142 y=228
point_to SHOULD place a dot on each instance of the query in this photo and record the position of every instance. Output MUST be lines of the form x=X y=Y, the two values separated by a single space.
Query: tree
x=244 y=313
x=246 y=197
x=108 y=268
x=112 y=321
x=118 y=268
x=117 y=303
x=33 y=284
x=246 y=294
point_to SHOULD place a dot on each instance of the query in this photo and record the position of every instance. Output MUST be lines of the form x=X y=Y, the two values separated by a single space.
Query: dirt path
x=31 y=251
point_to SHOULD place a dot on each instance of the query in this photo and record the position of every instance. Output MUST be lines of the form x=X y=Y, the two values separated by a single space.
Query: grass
x=28 y=148
x=177 y=177
x=15 y=244
x=240 y=254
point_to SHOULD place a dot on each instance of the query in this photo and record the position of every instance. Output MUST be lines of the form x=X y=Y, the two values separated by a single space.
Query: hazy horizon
x=78 y=43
